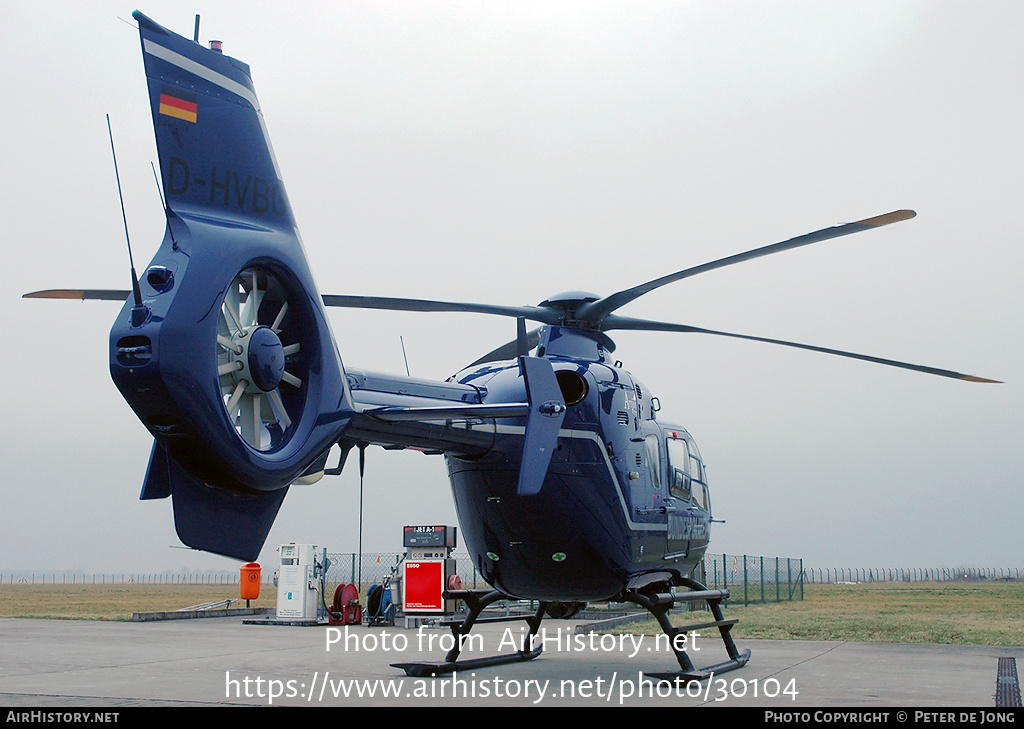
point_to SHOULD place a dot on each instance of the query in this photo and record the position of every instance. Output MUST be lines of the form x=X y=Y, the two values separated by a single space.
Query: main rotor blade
x=547 y=316
x=509 y=350
x=594 y=312
x=617 y=322
x=83 y=294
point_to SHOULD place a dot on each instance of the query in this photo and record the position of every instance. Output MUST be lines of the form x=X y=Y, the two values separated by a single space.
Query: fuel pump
x=428 y=570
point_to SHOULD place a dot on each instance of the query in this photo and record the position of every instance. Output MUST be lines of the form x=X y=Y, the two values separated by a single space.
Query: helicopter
x=569 y=485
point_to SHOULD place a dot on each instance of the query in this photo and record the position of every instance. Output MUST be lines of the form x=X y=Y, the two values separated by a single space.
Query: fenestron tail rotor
x=259 y=359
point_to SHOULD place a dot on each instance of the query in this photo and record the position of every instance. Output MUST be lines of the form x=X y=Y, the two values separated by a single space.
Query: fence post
x=746 y=599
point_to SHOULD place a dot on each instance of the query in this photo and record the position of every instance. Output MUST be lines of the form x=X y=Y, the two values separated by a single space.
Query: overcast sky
x=504 y=152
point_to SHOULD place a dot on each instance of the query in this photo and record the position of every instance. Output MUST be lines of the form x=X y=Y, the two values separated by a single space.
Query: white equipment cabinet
x=297 y=582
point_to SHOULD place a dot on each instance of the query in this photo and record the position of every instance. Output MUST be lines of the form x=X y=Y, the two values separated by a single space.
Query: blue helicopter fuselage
x=616 y=509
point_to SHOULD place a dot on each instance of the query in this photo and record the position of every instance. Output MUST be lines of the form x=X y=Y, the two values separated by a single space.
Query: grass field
x=960 y=613
x=115 y=602
x=951 y=613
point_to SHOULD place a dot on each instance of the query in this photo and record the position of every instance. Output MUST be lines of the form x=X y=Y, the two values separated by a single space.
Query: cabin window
x=678 y=465
x=700 y=495
x=654 y=461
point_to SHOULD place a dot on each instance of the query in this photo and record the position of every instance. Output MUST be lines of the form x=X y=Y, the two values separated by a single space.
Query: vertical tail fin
x=234 y=369
x=215 y=154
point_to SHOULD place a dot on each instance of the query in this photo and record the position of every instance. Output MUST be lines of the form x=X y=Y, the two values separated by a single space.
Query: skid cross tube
x=477 y=602
x=659 y=605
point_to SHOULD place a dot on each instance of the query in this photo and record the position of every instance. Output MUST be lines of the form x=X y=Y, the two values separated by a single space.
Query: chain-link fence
x=754 y=579
x=749 y=579
x=847 y=575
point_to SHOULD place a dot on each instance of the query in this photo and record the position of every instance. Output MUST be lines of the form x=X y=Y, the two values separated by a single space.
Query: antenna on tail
x=139 y=312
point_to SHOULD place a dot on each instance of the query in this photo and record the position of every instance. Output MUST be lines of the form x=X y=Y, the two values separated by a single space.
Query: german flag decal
x=179 y=104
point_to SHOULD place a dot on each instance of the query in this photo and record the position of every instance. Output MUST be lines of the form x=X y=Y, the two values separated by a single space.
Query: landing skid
x=477 y=602
x=659 y=605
